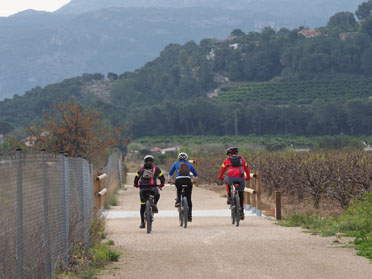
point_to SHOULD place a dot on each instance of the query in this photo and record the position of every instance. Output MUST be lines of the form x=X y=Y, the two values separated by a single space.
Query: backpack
x=184 y=169
x=236 y=161
x=149 y=173
x=236 y=169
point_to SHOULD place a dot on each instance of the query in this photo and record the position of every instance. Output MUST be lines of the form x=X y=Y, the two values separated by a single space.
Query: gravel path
x=212 y=248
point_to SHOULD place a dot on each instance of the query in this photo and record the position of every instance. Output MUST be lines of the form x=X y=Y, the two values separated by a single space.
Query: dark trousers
x=144 y=196
x=229 y=181
x=188 y=191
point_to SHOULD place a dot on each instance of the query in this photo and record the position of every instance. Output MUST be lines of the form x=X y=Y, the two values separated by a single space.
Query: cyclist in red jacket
x=236 y=167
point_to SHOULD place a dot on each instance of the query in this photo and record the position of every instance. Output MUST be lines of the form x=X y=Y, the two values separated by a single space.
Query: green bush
x=363 y=244
x=355 y=221
x=358 y=216
x=102 y=255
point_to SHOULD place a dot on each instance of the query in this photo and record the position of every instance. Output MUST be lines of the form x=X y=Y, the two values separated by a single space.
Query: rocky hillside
x=41 y=48
x=303 y=8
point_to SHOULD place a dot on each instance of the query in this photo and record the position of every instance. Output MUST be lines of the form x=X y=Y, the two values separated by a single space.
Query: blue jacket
x=176 y=166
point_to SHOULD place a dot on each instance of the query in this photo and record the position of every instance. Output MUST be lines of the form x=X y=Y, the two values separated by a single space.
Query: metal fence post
x=91 y=183
x=48 y=268
x=64 y=206
x=120 y=170
x=19 y=215
x=85 y=175
x=81 y=192
x=66 y=184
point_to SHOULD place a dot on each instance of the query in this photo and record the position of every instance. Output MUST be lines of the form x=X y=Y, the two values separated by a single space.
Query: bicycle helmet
x=148 y=158
x=182 y=156
x=232 y=151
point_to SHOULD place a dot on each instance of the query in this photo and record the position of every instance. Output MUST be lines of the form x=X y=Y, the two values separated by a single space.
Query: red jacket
x=234 y=171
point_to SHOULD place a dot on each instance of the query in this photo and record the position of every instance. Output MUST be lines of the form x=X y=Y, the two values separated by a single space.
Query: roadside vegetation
x=87 y=259
x=354 y=221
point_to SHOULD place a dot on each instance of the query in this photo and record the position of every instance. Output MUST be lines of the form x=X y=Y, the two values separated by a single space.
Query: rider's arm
x=222 y=171
x=160 y=175
x=136 y=178
x=172 y=170
x=246 y=169
x=193 y=170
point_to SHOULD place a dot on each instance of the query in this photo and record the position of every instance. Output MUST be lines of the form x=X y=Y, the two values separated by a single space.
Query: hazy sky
x=9 y=7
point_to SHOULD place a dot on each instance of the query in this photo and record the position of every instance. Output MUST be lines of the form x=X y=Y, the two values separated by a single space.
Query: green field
x=299 y=92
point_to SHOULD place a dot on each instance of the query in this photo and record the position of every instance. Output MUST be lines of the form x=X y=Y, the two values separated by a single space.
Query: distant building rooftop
x=309 y=33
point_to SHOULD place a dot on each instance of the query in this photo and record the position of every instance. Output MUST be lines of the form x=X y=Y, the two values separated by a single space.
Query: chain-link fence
x=114 y=173
x=45 y=207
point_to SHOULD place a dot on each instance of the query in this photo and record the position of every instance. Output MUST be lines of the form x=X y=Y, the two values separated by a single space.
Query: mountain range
x=39 y=48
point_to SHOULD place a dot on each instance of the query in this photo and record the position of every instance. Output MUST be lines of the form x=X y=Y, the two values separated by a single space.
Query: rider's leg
x=156 y=199
x=228 y=189
x=142 y=209
x=179 y=190
x=188 y=192
x=241 y=199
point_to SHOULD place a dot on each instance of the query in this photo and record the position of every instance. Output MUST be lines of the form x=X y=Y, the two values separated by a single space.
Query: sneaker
x=142 y=226
x=177 y=204
x=155 y=208
x=228 y=200
x=242 y=215
x=189 y=219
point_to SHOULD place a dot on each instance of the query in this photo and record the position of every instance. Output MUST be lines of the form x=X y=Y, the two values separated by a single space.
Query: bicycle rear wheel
x=185 y=212
x=180 y=215
x=237 y=210
x=232 y=207
x=148 y=217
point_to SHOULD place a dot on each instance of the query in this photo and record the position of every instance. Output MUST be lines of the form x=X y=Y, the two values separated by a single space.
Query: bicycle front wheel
x=185 y=212
x=237 y=210
x=148 y=217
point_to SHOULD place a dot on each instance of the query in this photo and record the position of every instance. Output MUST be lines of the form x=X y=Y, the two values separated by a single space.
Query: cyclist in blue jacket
x=183 y=169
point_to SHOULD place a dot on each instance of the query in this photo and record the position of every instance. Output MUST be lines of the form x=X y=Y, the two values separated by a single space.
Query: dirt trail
x=212 y=248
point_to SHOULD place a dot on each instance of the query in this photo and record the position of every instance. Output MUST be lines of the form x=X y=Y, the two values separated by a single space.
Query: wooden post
x=254 y=196
x=278 y=205
x=96 y=198
x=259 y=190
x=246 y=199
x=100 y=199
x=247 y=196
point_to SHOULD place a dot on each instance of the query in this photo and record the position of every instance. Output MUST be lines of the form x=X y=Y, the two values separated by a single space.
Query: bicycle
x=149 y=214
x=235 y=204
x=183 y=210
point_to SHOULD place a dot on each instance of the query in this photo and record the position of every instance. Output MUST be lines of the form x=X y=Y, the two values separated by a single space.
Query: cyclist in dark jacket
x=146 y=181
x=236 y=167
x=183 y=169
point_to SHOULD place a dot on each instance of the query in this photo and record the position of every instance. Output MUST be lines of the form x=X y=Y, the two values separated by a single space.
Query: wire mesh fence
x=45 y=207
x=113 y=170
